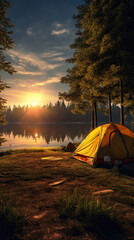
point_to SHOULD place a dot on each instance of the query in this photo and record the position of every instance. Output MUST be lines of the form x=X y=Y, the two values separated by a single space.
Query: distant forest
x=58 y=112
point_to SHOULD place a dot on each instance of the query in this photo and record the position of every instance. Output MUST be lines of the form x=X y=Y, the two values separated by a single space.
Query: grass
x=10 y=218
x=96 y=216
x=28 y=150
x=77 y=205
x=26 y=178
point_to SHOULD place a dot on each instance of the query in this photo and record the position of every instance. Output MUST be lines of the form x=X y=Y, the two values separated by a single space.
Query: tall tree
x=113 y=32
x=81 y=89
x=6 y=42
x=104 y=56
x=96 y=26
x=114 y=66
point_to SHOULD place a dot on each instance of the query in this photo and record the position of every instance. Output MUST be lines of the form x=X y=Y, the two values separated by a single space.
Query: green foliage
x=2 y=103
x=75 y=75
x=103 y=57
x=2 y=140
x=6 y=43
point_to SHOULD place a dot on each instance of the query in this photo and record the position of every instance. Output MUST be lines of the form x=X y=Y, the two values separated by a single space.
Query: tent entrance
x=112 y=142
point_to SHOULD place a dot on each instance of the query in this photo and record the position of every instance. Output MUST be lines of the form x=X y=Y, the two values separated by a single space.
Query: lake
x=28 y=135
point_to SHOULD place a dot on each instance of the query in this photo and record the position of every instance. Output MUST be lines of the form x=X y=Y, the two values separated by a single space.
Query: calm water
x=43 y=135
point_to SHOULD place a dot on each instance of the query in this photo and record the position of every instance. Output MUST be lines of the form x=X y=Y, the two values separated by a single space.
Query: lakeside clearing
x=47 y=193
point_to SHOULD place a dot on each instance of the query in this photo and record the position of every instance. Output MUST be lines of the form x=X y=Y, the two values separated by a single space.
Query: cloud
x=38 y=84
x=49 y=81
x=21 y=70
x=33 y=59
x=29 y=31
x=58 y=25
x=58 y=59
x=23 y=85
x=51 y=54
x=30 y=73
x=52 y=80
x=59 y=32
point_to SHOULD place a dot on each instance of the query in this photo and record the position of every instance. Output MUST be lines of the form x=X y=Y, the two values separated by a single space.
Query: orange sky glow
x=29 y=98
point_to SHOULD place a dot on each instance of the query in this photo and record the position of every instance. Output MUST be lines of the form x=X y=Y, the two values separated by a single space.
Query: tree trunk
x=121 y=103
x=109 y=104
x=95 y=115
x=92 y=119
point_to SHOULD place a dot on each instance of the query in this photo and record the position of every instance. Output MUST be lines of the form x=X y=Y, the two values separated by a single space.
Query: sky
x=43 y=31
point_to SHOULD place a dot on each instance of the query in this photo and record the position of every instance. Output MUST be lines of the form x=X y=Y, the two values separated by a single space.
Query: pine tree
x=110 y=27
x=81 y=90
x=96 y=27
x=5 y=43
x=103 y=58
x=114 y=66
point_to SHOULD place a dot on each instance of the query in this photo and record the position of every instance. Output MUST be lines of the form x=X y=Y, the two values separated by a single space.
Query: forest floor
x=31 y=188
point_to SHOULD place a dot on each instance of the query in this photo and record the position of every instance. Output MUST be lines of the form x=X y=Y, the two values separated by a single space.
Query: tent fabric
x=113 y=140
x=90 y=145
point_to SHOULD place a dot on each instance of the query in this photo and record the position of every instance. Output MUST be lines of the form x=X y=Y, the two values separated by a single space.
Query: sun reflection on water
x=36 y=135
x=41 y=135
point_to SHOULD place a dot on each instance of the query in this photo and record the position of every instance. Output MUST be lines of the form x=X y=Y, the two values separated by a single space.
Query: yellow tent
x=107 y=143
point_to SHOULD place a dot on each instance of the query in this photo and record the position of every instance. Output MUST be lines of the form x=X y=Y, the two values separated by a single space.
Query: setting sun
x=34 y=99
x=34 y=103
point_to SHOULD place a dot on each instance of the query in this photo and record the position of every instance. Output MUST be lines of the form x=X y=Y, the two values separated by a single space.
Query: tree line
x=102 y=72
x=59 y=112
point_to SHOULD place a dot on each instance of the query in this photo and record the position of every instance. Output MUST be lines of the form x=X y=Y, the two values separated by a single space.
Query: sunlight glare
x=34 y=99
x=36 y=135
x=34 y=103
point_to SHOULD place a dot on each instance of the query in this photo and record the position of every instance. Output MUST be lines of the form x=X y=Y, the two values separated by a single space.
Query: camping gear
x=107 y=144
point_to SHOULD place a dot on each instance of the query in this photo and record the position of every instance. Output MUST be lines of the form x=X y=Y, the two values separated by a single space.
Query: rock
x=69 y=148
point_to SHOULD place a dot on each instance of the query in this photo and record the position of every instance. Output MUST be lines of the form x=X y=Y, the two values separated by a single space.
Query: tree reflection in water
x=49 y=133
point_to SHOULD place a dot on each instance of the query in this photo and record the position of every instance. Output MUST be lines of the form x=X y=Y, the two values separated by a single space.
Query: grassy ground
x=33 y=206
